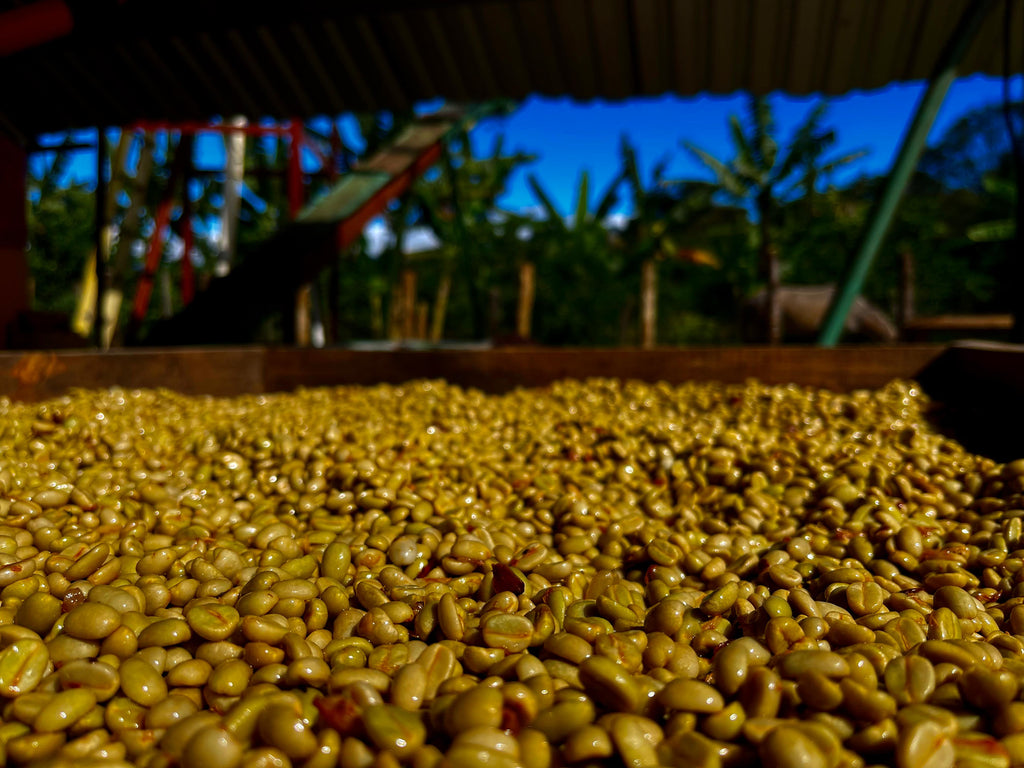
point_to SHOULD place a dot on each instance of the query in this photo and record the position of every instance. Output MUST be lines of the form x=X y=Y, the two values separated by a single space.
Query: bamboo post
x=440 y=308
x=303 y=302
x=234 y=175
x=774 y=298
x=648 y=304
x=408 y=303
x=524 y=309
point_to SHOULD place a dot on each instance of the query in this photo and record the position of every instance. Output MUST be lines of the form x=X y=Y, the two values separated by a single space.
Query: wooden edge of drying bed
x=31 y=376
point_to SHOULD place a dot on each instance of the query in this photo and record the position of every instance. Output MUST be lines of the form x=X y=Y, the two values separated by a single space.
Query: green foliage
x=976 y=146
x=580 y=296
x=760 y=175
x=60 y=233
x=771 y=192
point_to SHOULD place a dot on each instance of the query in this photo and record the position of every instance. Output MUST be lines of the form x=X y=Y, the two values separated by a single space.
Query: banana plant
x=763 y=176
x=575 y=258
x=667 y=219
x=460 y=206
x=1001 y=230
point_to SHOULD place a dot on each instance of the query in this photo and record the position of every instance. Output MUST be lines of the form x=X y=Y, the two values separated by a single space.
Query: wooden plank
x=35 y=376
x=961 y=323
x=843 y=368
x=235 y=370
x=412 y=142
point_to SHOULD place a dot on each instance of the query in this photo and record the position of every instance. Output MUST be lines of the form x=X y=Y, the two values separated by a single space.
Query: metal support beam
x=903 y=167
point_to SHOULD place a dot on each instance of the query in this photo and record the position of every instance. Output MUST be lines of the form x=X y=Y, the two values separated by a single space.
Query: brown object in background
x=444 y=287
x=408 y=304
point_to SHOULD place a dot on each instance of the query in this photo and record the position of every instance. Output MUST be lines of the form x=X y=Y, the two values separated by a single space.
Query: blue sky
x=571 y=137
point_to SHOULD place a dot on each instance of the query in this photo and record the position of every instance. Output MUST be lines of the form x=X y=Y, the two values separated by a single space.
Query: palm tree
x=666 y=217
x=460 y=206
x=763 y=177
x=578 y=270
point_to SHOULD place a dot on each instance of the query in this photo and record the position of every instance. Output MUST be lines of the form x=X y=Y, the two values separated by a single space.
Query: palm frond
x=744 y=152
x=582 y=201
x=608 y=200
x=544 y=199
x=728 y=180
x=809 y=143
x=630 y=167
x=762 y=126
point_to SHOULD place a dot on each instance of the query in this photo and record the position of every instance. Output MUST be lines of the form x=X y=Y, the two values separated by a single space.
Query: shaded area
x=978 y=388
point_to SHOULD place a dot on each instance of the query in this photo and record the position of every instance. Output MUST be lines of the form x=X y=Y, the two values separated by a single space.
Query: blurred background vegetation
x=709 y=241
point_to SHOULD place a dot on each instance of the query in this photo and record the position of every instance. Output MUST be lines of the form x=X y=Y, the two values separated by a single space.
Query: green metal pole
x=906 y=161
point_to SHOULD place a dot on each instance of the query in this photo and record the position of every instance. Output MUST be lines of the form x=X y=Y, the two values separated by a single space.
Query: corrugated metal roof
x=192 y=60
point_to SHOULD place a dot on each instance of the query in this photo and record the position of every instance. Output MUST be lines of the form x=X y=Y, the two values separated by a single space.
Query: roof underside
x=193 y=60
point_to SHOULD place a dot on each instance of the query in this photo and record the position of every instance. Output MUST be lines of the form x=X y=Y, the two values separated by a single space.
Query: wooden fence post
x=648 y=304
x=524 y=308
x=440 y=308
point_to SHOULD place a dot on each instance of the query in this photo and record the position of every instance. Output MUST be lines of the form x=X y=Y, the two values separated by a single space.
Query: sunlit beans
x=141 y=682
x=508 y=632
x=394 y=729
x=281 y=726
x=64 y=709
x=212 y=747
x=691 y=696
x=592 y=573
x=91 y=621
x=925 y=745
x=22 y=665
x=213 y=621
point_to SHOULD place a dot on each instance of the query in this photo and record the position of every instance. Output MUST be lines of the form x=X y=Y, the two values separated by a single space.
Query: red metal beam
x=295 y=190
x=351 y=228
x=144 y=291
x=30 y=25
x=193 y=127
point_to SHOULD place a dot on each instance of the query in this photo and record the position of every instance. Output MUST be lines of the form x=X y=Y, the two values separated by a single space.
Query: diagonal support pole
x=903 y=167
